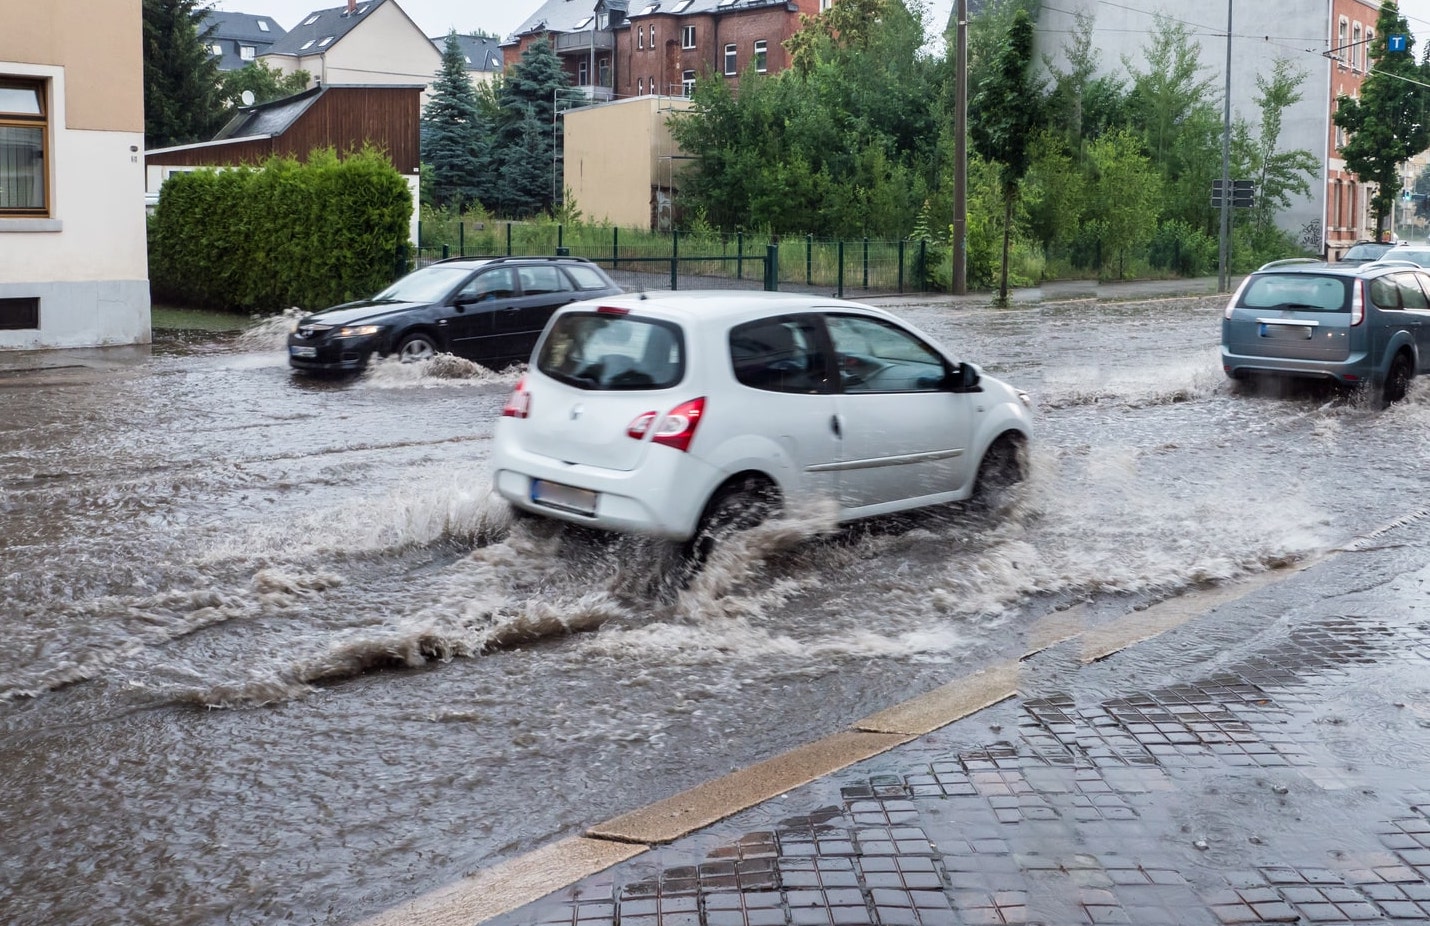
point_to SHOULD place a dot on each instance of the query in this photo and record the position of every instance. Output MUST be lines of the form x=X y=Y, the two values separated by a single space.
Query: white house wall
x=88 y=262
x=1261 y=32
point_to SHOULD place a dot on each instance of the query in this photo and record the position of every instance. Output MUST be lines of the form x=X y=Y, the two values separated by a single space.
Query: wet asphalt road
x=272 y=651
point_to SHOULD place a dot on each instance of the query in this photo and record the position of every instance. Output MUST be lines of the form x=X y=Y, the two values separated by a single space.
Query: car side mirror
x=964 y=378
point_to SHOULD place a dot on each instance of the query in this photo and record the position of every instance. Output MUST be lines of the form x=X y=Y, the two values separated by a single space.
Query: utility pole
x=1223 y=265
x=960 y=149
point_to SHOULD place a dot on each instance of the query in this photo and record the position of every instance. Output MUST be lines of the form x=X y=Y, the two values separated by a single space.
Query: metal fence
x=640 y=259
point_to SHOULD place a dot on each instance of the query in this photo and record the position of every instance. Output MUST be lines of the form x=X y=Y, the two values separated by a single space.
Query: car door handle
x=834 y=426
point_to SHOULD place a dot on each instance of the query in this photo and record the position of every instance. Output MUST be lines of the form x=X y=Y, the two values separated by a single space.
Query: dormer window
x=247 y=52
x=216 y=49
x=311 y=19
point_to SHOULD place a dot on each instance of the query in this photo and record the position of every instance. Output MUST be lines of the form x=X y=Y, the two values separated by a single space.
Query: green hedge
x=286 y=234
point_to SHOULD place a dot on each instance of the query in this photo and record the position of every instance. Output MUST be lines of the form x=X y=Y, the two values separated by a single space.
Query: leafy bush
x=1184 y=250
x=286 y=234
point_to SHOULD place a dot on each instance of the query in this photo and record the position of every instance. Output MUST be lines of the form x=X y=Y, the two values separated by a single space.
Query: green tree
x=1387 y=125
x=1277 y=174
x=525 y=154
x=181 y=85
x=1125 y=192
x=1004 y=116
x=264 y=82
x=1175 y=109
x=456 y=135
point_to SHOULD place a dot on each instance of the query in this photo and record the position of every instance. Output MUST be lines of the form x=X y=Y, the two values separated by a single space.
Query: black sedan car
x=489 y=310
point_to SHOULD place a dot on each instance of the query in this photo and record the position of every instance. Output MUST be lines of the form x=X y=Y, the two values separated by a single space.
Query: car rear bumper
x=1352 y=371
x=663 y=497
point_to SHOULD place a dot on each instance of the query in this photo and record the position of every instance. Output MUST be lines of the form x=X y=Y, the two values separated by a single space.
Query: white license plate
x=1286 y=332
x=303 y=351
x=567 y=498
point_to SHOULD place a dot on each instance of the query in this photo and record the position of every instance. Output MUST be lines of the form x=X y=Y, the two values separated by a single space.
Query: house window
x=1342 y=40
x=682 y=6
x=824 y=5
x=687 y=37
x=307 y=45
x=583 y=72
x=583 y=23
x=327 y=40
x=729 y=60
x=262 y=25
x=640 y=37
x=311 y=19
x=649 y=9
x=761 y=55
x=640 y=86
x=22 y=148
x=603 y=72
x=652 y=35
x=687 y=83
x=247 y=52
x=1355 y=47
x=1369 y=37
x=19 y=314
x=216 y=49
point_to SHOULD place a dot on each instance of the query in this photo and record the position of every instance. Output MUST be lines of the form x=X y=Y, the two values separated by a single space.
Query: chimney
x=352 y=7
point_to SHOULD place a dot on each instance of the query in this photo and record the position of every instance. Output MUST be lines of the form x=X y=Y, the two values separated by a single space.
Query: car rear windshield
x=597 y=350
x=1366 y=251
x=1305 y=292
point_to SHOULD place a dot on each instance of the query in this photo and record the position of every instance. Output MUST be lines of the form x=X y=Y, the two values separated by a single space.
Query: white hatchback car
x=683 y=414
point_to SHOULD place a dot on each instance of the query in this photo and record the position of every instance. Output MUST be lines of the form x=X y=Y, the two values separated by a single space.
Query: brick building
x=611 y=50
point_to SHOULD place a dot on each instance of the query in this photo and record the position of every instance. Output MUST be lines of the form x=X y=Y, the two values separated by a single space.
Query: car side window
x=540 y=281
x=586 y=277
x=490 y=284
x=1384 y=292
x=1412 y=296
x=780 y=354
x=874 y=355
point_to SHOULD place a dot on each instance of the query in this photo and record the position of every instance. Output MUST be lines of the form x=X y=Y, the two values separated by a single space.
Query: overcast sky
x=501 y=17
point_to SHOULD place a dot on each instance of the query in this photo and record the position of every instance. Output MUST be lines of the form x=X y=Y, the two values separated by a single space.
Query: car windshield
x=426 y=285
x=1366 y=251
x=594 y=350
x=1303 y=291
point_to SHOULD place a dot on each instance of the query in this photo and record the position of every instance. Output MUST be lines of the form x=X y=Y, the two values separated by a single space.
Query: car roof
x=475 y=262
x=1337 y=269
x=722 y=307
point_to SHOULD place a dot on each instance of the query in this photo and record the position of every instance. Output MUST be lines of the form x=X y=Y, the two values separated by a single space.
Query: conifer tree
x=182 y=103
x=526 y=145
x=456 y=139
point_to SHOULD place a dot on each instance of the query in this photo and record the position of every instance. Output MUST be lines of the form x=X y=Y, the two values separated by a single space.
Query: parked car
x=489 y=310
x=1416 y=254
x=688 y=414
x=1358 y=325
x=1364 y=251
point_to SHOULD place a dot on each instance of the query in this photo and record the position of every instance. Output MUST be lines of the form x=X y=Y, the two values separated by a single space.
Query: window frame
x=762 y=56
x=687 y=83
x=731 y=59
x=37 y=121
x=687 y=37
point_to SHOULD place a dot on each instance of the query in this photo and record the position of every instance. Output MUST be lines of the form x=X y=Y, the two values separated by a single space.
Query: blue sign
x=1395 y=43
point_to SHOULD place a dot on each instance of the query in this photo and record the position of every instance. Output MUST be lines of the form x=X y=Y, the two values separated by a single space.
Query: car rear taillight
x=676 y=428
x=1357 y=302
x=612 y=310
x=518 y=405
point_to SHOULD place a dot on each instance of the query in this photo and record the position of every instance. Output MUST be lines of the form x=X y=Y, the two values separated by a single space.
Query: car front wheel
x=416 y=347
x=1002 y=470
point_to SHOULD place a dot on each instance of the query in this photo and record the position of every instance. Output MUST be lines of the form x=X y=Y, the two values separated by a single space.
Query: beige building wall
x=620 y=160
x=86 y=260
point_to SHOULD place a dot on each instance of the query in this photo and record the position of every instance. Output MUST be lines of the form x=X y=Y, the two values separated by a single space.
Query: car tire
x=1397 y=379
x=416 y=347
x=1002 y=470
x=738 y=505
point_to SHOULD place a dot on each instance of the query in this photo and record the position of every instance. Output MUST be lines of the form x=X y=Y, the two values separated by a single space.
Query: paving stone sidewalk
x=1212 y=776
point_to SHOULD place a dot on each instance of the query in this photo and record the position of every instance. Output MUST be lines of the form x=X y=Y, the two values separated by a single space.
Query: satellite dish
x=247 y=97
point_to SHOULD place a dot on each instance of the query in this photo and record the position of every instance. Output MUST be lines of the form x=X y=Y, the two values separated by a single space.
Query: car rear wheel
x=1003 y=468
x=1397 y=380
x=415 y=347
x=738 y=505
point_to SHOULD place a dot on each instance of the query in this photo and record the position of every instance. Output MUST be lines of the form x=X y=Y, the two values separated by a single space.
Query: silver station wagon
x=1366 y=325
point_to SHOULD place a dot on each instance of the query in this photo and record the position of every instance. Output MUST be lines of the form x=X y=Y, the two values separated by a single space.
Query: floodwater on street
x=274 y=652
